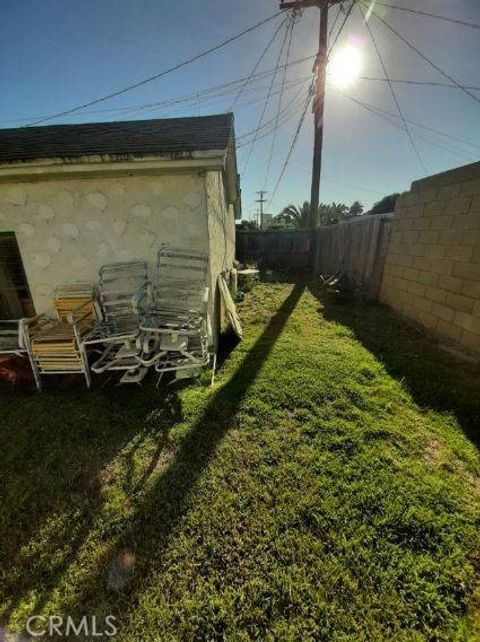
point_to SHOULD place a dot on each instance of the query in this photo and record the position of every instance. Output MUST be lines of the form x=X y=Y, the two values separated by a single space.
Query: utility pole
x=319 y=100
x=262 y=200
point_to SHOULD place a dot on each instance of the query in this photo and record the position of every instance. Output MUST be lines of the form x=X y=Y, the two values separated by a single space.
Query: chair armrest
x=34 y=325
x=40 y=319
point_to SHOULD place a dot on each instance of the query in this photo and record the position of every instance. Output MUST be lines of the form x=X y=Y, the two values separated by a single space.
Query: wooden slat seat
x=56 y=344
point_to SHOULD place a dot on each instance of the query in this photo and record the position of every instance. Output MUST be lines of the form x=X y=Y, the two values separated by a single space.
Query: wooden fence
x=274 y=248
x=357 y=247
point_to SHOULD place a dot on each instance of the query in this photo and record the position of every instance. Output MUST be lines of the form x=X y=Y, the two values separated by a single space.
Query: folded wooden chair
x=56 y=346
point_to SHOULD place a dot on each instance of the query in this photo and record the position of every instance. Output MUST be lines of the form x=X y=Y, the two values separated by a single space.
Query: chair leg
x=159 y=380
x=34 y=366
x=86 y=367
x=36 y=373
x=214 y=367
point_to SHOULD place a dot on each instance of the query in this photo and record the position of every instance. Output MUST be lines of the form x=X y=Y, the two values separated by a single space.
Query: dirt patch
x=432 y=451
x=164 y=460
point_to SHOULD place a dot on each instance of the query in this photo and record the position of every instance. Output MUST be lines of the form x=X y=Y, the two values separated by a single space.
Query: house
x=76 y=197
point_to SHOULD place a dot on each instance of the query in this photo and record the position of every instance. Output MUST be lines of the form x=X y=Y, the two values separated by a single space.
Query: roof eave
x=111 y=165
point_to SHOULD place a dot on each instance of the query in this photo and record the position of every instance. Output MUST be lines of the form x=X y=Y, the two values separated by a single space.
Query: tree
x=294 y=217
x=356 y=209
x=331 y=214
x=246 y=225
x=385 y=205
x=298 y=217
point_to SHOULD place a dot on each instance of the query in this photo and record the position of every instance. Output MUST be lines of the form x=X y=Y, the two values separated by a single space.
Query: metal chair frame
x=13 y=341
x=123 y=291
x=177 y=327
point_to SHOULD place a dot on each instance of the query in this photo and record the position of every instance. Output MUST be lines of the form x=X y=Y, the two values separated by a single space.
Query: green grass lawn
x=326 y=488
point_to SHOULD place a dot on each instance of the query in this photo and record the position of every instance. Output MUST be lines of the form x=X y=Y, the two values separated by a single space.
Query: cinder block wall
x=432 y=271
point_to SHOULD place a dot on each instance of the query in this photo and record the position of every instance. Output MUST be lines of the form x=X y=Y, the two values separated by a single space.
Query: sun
x=345 y=66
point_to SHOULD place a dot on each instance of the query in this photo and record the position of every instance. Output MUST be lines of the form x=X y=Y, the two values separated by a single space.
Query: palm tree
x=295 y=216
x=331 y=214
x=356 y=209
x=298 y=217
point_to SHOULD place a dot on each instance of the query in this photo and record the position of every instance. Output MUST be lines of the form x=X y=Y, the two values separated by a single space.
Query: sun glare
x=345 y=66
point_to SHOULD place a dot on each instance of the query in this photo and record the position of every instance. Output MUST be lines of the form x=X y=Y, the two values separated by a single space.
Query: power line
x=233 y=83
x=229 y=87
x=421 y=83
x=286 y=114
x=347 y=15
x=430 y=15
x=413 y=122
x=374 y=110
x=426 y=58
x=267 y=99
x=340 y=182
x=294 y=141
x=257 y=65
x=332 y=28
x=280 y=100
x=159 y=75
x=394 y=94
x=209 y=97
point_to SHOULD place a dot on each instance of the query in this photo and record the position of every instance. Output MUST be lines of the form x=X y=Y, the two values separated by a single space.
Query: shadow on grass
x=435 y=379
x=55 y=447
x=161 y=508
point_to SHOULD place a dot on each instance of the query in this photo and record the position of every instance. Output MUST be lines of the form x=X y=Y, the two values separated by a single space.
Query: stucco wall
x=221 y=232
x=432 y=272
x=67 y=229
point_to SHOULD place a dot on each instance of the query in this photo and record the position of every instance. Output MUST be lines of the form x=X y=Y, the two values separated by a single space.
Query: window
x=15 y=298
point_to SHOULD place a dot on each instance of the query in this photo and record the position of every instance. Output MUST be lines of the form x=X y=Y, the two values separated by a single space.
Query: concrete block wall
x=432 y=270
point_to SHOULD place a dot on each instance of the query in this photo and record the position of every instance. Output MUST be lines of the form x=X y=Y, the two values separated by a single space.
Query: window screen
x=15 y=298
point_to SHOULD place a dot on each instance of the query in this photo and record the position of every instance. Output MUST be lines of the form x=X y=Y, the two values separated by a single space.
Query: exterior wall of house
x=221 y=233
x=432 y=272
x=67 y=229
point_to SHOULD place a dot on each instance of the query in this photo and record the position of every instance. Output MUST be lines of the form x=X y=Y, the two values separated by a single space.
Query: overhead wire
x=256 y=65
x=425 y=57
x=267 y=100
x=248 y=103
x=262 y=74
x=294 y=141
x=388 y=117
x=339 y=11
x=429 y=15
x=307 y=103
x=339 y=33
x=393 y=92
x=234 y=83
x=287 y=112
x=420 y=82
x=161 y=74
x=208 y=98
x=413 y=122
x=280 y=100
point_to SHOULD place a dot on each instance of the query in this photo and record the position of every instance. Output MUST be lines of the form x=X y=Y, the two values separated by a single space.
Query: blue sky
x=56 y=54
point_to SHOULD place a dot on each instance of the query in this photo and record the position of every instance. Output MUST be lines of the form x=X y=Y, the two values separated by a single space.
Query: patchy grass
x=325 y=489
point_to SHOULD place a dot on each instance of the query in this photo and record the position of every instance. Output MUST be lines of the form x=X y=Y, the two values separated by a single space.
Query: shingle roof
x=139 y=137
